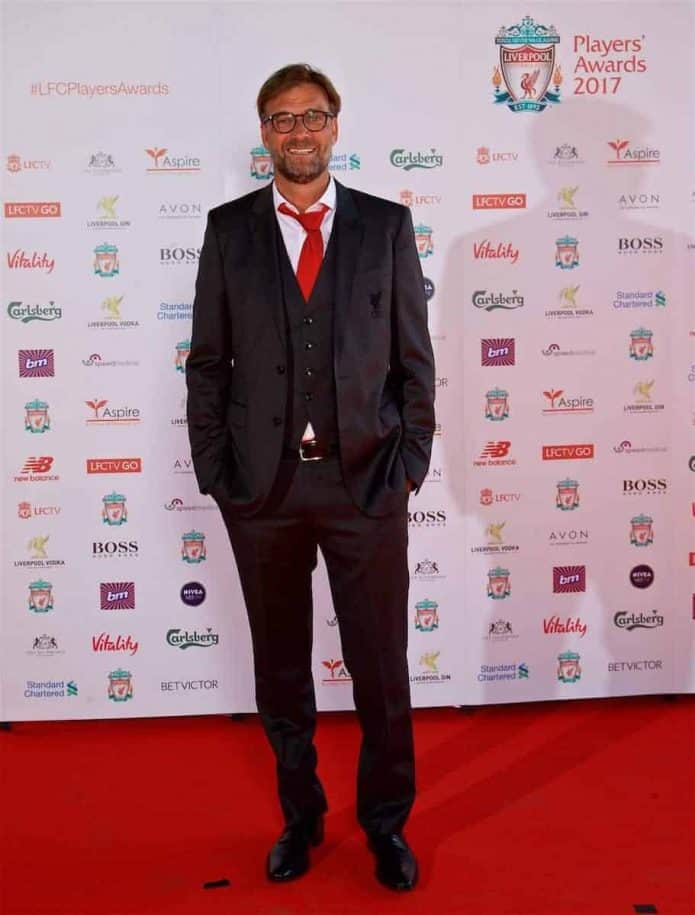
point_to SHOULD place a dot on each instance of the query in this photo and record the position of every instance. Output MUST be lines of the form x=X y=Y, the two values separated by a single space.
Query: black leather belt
x=311 y=451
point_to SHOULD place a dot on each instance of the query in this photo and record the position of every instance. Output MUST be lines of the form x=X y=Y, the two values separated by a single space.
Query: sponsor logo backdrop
x=545 y=153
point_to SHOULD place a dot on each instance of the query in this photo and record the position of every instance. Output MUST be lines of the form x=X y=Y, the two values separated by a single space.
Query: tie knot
x=310 y=221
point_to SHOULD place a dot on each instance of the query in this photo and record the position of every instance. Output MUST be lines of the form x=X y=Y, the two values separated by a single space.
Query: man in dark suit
x=310 y=414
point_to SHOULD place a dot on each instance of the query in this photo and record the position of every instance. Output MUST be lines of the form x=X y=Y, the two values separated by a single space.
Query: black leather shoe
x=289 y=857
x=396 y=865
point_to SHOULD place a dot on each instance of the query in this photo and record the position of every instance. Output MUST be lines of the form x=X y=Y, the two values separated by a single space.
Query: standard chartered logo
x=407 y=160
x=19 y=311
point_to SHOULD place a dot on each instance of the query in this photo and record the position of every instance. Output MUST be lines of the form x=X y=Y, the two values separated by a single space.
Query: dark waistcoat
x=309 y=327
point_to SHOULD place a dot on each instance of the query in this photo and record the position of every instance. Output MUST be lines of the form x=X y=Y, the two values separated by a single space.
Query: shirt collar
x=327 y=198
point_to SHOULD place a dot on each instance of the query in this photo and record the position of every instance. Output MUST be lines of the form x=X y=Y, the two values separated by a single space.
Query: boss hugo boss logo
x=641 y=245
x=109 y=549
x=646 y=486
x=179 y=256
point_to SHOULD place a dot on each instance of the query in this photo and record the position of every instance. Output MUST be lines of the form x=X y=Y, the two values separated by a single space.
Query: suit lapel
x=264 y=267
x=348 y=231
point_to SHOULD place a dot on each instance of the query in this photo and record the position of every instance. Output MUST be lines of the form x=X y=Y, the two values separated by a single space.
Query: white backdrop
x=548 y=164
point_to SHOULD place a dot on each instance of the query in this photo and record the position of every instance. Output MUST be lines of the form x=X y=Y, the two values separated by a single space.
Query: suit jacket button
x=308 y=321
x=277 y=420
x=308 y=396
x=280 y=369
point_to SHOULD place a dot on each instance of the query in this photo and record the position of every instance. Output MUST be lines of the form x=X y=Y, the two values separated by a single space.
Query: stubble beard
x=304 y=172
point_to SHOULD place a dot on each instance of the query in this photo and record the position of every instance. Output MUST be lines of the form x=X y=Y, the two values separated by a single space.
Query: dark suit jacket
x=383 y=365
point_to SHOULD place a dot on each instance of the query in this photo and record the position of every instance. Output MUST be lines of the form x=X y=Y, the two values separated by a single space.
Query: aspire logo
x=103 y=415
x=625 y=154
x=161 y=162
x=557 y=402
x=337 y=672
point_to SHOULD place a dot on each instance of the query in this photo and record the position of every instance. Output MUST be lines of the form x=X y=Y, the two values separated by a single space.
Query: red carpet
x=574 y=808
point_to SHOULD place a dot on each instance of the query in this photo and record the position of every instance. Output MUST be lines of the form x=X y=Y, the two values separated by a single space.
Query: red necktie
x=311 y=254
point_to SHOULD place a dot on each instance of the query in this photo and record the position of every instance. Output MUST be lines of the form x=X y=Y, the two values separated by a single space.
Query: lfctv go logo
x=499 y=201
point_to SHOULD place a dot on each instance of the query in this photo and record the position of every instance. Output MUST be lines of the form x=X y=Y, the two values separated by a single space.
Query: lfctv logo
x=114 y=465
x=32 y=210
x=499 y=201
x=567 y=452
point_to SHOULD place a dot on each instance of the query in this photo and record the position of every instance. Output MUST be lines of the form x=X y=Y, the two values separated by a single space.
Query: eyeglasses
x=285 y=122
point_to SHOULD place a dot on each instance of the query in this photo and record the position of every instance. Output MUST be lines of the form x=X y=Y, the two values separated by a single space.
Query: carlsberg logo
x=19 y=311
x=409 y=160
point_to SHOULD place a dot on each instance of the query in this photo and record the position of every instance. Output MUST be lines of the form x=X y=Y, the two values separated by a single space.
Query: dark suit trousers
x=366 y=560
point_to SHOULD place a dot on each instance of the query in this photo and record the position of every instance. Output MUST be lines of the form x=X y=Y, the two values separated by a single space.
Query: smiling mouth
x=301 y=150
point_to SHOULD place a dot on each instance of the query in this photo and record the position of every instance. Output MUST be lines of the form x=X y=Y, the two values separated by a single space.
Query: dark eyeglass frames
x=285 y=122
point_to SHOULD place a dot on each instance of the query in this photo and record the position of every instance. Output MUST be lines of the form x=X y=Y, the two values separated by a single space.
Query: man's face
x=302 y=155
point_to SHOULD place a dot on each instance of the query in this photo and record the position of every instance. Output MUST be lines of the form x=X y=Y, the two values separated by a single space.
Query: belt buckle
x=307 y=457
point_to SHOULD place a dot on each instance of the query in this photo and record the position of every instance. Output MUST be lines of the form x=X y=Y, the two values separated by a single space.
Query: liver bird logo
x=429 y=660
x=566 y=197
x=112 y=307
x=568 y=297
x=643 y=391
x=528 y=83
x=37 y=545
x=493 y=532
x=107 y=205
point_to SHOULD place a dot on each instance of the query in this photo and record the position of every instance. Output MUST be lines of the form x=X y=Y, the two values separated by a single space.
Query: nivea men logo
x=641 y=576
x=193 y=594
x=568 y=579
x=497 y=351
